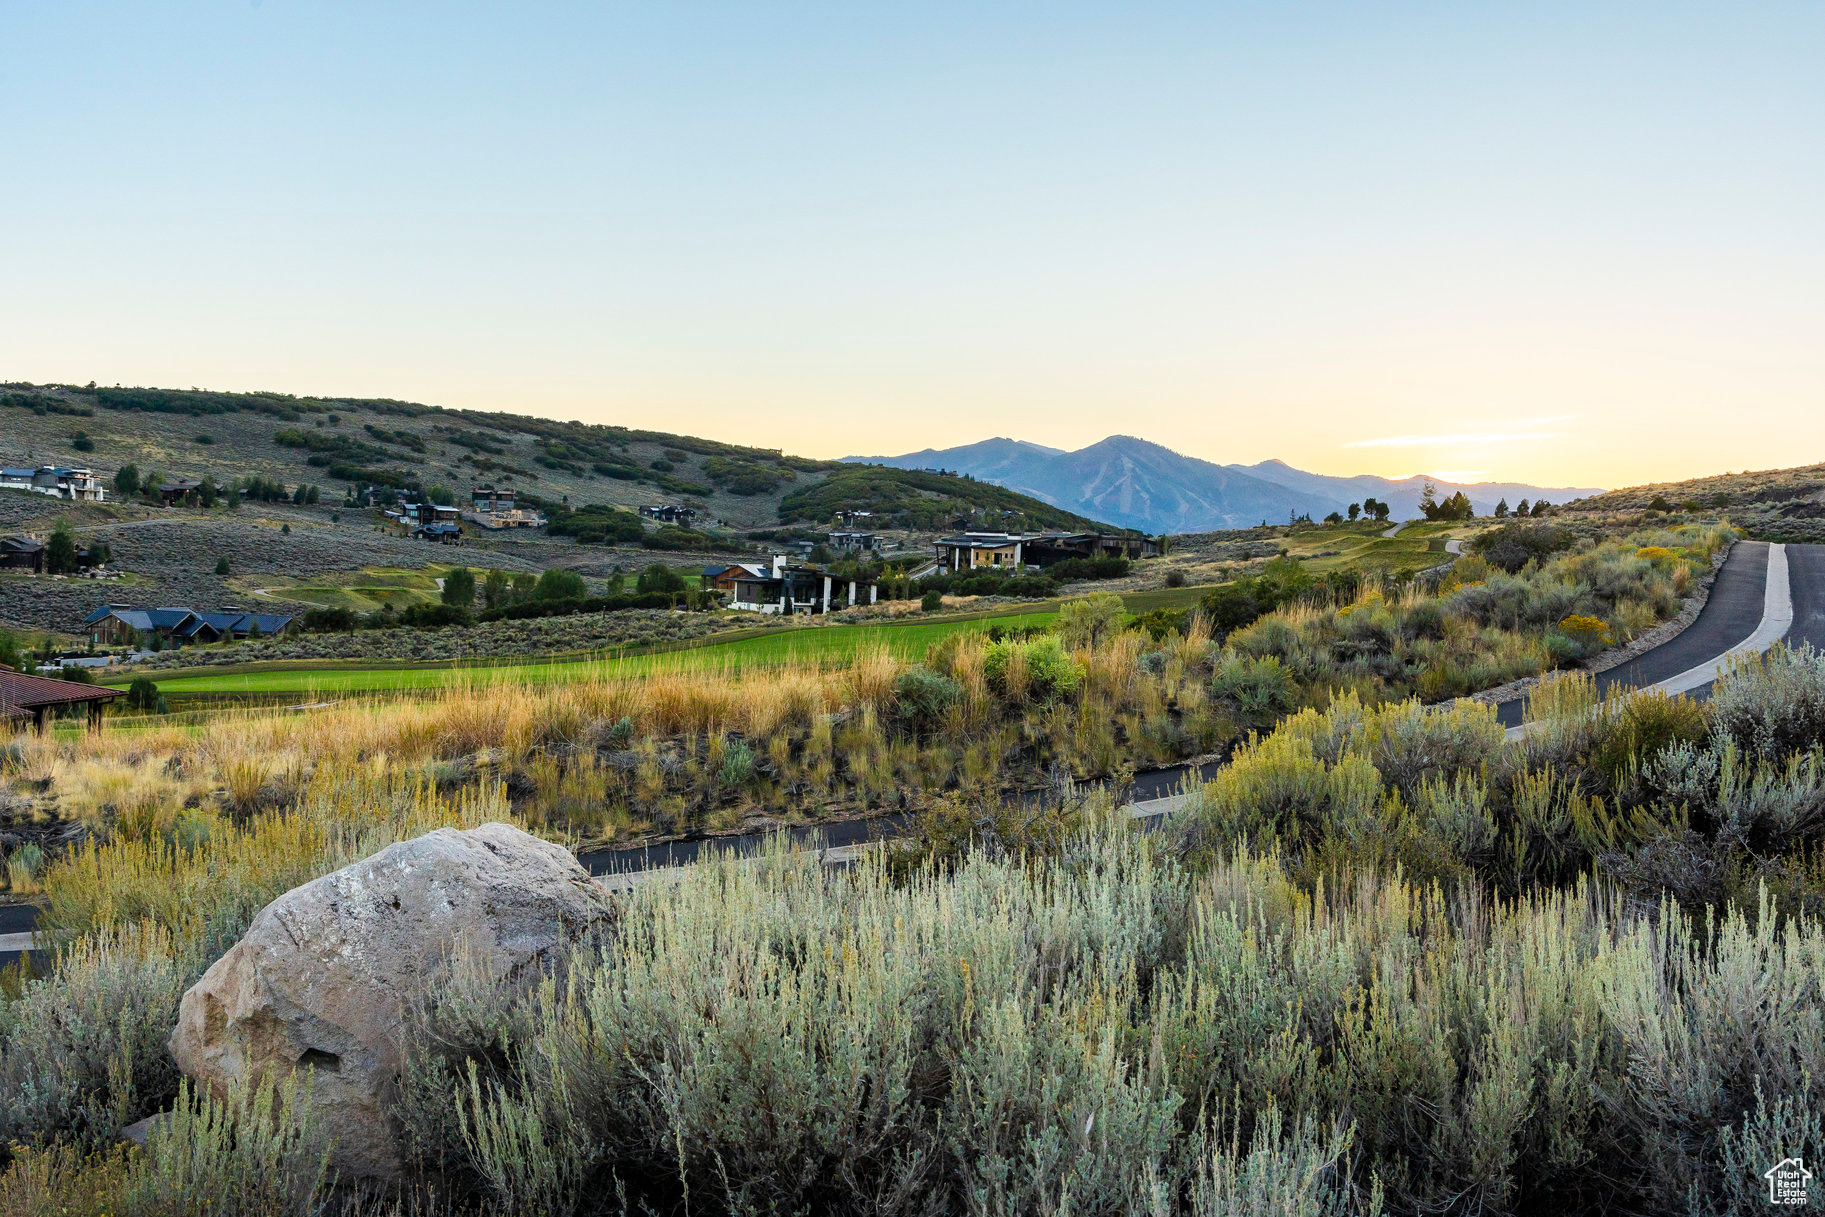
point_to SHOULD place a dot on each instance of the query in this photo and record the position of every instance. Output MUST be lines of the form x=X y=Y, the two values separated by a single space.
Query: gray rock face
x=321 y=979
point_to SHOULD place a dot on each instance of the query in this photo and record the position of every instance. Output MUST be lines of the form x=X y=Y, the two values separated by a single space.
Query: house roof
x=22 y=693
x=187 y=623
x=21 y=545
x=18 y=473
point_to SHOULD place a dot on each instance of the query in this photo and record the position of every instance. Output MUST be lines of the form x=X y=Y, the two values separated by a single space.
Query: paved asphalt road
x=1806 y=575
x=1729 y=616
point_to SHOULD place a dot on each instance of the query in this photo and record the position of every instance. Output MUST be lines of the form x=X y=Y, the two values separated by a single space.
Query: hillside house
x=22 y=553
x=722 y=578
x=431 y=522
x=1016 y=551
x=854 y=542
x=979 y=550
x=785 y=587
x=851 y=518
x=77 y=485
x=497 y=508
x=671 y=514
x=123 y=625
x=174 y=492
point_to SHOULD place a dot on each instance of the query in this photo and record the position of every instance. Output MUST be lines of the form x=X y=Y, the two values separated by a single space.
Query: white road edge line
x=1777 y=619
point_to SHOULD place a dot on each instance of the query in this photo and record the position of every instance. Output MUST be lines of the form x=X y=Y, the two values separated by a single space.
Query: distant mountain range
x=1137 y=484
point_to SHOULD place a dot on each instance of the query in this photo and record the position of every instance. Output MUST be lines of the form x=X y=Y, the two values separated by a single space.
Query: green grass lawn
x=1360 y=547
x=361 y=591
x=1319 y=549
x=733 y=651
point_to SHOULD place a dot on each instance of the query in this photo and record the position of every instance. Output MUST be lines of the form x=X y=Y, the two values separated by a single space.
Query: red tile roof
x=19 y=693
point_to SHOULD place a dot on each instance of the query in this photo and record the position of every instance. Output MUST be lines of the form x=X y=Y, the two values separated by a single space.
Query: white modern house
x=77 y=485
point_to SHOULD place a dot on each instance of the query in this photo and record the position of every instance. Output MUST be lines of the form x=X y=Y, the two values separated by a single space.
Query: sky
x=1572 y=244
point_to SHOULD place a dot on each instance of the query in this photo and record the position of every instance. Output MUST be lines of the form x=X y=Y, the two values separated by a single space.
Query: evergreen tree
x=60 y=550
x=459 y=588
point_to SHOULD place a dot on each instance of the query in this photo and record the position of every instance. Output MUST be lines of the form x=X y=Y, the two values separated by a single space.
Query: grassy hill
x=1771 y=504
x=915 y=498
x=334 y=442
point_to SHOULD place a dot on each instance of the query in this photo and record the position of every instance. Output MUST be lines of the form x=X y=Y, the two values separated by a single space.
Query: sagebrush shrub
x=82 y=1052
x=1773 y=704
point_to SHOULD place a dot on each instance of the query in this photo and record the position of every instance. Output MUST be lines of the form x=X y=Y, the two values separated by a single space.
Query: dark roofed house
x=786 y=587
x=22 y=553
x=36 y=698
x=177 y=490
x=119 y=625
x=447 y=534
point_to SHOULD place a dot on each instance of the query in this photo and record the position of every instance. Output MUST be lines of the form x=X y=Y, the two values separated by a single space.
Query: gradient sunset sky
x=1570 y=243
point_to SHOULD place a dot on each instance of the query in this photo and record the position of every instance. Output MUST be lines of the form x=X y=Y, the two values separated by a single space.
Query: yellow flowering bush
x=1586 y=630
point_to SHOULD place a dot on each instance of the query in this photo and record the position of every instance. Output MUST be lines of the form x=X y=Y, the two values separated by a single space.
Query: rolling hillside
x=1143 y=485
x=1770 y=504
x=335 y=442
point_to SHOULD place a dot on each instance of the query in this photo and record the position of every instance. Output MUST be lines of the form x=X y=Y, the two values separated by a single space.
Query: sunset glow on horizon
x=1568 y=246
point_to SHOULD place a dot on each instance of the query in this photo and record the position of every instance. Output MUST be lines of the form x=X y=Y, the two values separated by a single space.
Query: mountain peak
x=1137 y=483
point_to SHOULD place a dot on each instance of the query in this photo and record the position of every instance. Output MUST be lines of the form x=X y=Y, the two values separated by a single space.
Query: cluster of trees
x=1368 y=509
x=600 y=524
x=130 y=483
x=62 y=556
x=1455 y=509
x=498 y=595
x=1539 y=508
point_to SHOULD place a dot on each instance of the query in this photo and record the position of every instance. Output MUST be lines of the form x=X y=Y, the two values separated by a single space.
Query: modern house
x=786 y=587
x=722 y=578
x=175 y=491
x=33 y=699
x=22 y=553
x=671 y=514
x=431 y=522
x=492 y=508
x=850 y=518
x=122 y=625
x=976 y=550
x=77 y=485
x=854 y=542
x=992 y=550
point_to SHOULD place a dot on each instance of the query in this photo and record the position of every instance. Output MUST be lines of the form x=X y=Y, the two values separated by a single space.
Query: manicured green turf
x=773 y=648
x=737 y=649
x=1359 y=548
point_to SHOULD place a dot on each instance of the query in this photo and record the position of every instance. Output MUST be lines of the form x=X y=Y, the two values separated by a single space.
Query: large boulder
x=322 y=977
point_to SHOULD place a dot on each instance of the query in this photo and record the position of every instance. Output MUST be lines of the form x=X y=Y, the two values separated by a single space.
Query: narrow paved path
x=1764 y=593
x=1397 y=528
x=1806 y=578
x=1455 y=548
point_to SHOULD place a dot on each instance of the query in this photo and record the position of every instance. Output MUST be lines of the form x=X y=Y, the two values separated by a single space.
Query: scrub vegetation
x=1384 y=961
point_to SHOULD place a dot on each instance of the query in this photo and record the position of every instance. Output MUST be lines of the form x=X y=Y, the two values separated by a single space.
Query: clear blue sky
x=1573 y=243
